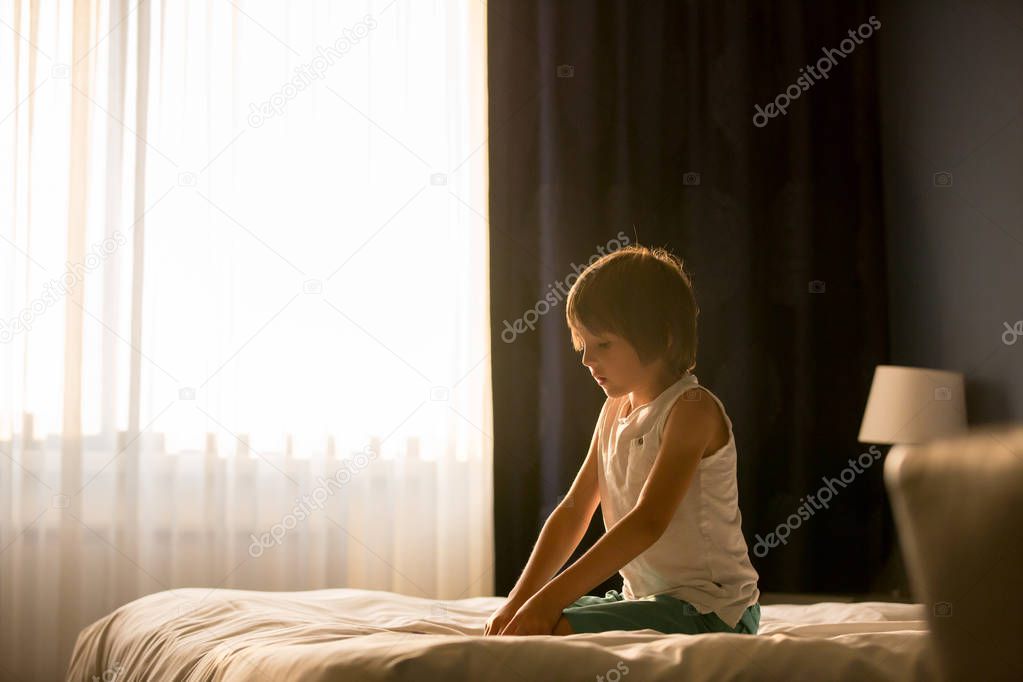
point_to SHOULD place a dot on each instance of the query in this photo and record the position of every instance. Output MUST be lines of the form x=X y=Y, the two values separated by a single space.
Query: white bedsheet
x=349 y=634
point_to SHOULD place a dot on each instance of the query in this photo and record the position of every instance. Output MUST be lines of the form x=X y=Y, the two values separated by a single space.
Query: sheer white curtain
x=243 y=305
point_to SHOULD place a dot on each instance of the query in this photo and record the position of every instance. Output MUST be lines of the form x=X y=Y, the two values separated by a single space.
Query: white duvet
x=350 y=634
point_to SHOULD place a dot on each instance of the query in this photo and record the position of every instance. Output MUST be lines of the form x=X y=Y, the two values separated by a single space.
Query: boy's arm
x=687 y=433
x=562 y=531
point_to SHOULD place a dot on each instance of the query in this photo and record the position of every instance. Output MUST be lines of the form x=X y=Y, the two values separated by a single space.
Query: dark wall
x=952 y=102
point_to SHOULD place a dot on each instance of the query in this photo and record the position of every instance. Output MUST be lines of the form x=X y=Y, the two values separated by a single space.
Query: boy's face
x=613 y=362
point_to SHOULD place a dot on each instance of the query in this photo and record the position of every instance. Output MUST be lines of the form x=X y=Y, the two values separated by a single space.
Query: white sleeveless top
x=702 y=556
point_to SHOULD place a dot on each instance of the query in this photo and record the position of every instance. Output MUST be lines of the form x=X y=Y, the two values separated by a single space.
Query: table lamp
x=913 y=405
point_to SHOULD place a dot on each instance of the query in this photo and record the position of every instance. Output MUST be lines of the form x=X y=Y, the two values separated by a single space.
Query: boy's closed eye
x=602 y=344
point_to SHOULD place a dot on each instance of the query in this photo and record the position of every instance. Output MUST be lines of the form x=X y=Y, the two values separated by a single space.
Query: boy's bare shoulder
x=702 y=412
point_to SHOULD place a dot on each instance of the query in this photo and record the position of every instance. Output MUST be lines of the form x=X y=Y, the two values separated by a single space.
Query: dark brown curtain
x=637 y=117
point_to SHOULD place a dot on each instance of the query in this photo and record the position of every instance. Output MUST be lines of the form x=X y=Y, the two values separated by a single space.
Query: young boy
x=661 y=465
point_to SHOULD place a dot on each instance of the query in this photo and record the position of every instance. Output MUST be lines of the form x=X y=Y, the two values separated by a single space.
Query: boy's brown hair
x=643 y=295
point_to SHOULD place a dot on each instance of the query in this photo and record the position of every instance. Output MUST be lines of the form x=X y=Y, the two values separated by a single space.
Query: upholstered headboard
x=958 y=507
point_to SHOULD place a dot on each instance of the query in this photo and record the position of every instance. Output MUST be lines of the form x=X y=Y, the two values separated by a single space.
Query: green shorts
x=661 y=613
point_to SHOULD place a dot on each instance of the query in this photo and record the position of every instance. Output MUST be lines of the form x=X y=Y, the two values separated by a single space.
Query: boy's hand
x=537 y=616
x=501 y=618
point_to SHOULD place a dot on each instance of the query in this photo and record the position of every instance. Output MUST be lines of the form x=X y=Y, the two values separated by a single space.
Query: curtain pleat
x=71 y=428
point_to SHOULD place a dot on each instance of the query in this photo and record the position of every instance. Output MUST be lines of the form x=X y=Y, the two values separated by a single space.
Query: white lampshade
x=913 y=405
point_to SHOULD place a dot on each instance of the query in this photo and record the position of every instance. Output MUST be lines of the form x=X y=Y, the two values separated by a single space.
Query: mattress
x=354 y=634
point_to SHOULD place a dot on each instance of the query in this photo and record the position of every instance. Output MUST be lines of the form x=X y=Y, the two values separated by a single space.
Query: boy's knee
x=563 y=627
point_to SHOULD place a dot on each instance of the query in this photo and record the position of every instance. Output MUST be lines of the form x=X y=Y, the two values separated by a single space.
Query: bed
x=956 y=501
x=352 y=634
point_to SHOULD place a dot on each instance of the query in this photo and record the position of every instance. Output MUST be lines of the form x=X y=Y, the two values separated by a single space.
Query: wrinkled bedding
x=352 y=634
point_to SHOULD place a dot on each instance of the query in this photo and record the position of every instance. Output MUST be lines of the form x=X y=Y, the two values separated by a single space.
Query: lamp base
x=892 y=579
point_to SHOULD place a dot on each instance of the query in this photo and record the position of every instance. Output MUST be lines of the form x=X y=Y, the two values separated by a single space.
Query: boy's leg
x=663 y=614
x=564 y=625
